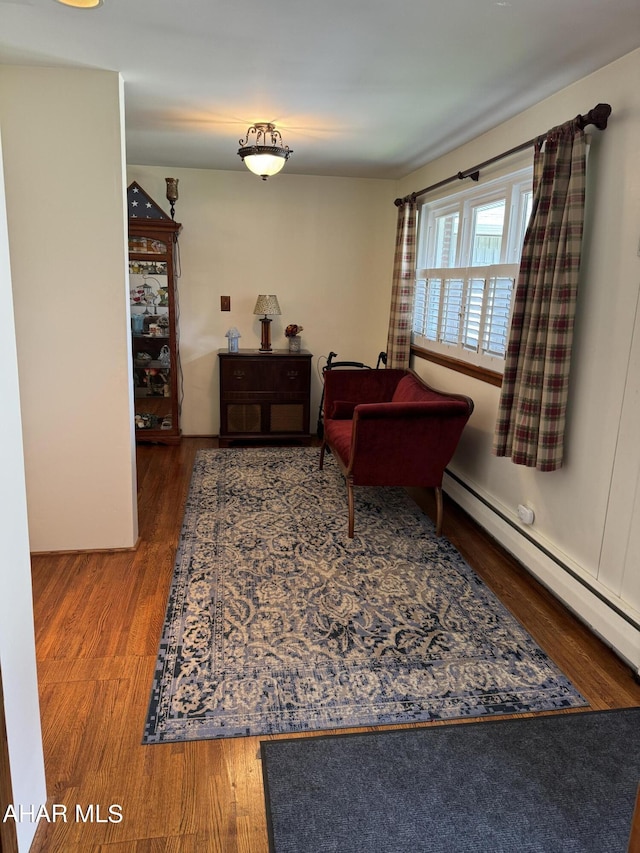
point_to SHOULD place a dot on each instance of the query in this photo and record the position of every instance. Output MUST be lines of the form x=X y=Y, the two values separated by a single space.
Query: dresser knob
x=238 y=374
x=292 y=374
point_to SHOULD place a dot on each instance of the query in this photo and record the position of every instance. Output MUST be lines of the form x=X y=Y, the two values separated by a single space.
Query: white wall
x=64 y=175
x=17 y=643
x=324 y=246
x=585 y=513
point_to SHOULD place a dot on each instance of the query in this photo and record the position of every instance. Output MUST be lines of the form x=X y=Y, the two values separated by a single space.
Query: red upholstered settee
x=389 y=428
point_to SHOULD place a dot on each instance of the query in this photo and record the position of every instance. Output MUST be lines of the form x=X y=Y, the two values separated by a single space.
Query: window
x=469 y=247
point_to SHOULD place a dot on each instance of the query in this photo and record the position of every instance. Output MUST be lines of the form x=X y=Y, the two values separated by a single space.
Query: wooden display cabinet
x=264 y=396
x=154 y=325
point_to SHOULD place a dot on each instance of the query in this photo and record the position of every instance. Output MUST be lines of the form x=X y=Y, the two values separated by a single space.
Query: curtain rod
x=597 y=116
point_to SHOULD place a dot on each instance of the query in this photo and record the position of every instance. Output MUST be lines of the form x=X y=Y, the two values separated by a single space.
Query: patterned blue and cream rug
x=277 y=622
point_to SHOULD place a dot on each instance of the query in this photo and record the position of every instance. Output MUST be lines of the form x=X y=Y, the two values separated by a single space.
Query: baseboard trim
x=88 y=551
x=614 y=623
x=200 y=435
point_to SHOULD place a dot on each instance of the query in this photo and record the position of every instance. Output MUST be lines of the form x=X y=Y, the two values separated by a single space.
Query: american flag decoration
x=141 y=205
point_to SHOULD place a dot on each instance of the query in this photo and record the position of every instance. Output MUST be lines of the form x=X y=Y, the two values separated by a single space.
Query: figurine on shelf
x=157 y=383
x=165 y=356
x=232 y=336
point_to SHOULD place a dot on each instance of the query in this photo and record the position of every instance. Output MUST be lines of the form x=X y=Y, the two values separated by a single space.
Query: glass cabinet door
x=150 y=344
x=154 y=347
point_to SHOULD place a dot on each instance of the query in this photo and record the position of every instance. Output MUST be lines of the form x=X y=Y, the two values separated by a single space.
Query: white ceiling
x=368 y=88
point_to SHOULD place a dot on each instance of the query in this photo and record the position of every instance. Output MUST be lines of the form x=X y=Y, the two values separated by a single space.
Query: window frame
x=514 y=186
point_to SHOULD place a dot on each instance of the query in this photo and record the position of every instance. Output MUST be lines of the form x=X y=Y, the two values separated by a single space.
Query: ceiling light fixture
x=262 y=151
x=81 y=4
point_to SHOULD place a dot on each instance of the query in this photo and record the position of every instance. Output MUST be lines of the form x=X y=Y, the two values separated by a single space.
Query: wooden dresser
x=264 y=395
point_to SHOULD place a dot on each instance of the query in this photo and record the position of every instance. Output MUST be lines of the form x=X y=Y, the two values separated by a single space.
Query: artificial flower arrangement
x=292 y=330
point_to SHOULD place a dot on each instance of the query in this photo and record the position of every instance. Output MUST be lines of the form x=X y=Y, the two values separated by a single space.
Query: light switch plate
x=225 y=303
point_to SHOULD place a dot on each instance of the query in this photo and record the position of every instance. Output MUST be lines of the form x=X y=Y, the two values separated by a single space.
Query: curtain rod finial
x=598 y=116
x=408 y=198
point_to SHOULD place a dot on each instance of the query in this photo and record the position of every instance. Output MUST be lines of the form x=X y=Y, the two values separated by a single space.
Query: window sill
x=481 y=373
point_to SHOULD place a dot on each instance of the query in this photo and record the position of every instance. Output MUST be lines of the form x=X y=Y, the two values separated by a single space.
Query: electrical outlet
x=526 y=514
x=225 y=303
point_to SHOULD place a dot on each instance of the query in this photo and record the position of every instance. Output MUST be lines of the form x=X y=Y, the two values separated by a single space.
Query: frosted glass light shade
x=81 y=4
x=265 y=165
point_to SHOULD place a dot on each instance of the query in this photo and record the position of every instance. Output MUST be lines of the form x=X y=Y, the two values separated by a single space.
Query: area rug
x=278 y=622
x=546 y=784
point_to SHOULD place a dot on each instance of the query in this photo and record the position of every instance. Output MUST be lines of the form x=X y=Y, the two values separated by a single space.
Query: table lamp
x=266 y=304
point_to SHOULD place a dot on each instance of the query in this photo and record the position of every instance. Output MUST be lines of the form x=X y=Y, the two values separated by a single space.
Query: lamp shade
x=267 y=304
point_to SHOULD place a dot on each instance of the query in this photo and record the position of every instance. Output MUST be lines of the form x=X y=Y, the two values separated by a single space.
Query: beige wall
x=324 y=246
x=64 y=174
x=585 y=513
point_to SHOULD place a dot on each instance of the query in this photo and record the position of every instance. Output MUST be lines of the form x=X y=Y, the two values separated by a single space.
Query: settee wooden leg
x=323 y=447
x=351 y=510
x=438 y=511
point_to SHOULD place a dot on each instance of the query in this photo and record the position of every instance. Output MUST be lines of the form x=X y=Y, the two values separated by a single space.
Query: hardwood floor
x=98 y=619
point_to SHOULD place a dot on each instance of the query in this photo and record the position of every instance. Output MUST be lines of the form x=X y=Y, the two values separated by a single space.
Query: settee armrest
x=404 y=443
x=398 y=411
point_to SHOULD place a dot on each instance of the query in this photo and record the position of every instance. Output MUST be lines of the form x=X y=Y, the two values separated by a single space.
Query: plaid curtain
x=404 y=273
x=531 y=417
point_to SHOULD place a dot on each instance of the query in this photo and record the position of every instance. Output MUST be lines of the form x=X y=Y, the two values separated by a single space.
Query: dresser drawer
x=244 y=375
x=290 y=377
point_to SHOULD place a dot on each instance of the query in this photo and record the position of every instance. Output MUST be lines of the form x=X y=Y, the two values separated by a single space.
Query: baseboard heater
x=551 y=556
